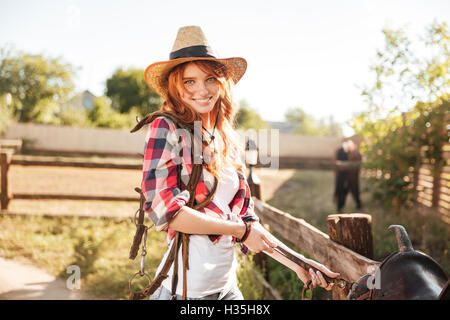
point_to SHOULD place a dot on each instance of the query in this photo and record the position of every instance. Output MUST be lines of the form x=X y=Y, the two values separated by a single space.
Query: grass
x=99 y=246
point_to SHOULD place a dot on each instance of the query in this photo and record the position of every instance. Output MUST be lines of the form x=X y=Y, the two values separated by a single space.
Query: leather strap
x=176 y=244
x=185 y=241
x=140 y=227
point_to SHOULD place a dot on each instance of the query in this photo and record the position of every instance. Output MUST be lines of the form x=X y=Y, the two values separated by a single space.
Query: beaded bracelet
x=248 y=228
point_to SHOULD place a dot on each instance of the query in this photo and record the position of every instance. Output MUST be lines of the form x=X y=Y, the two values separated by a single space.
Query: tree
x=407 y=108
x=128 y=89
x=309 y=126
x=248 y=118
x=403 y=77
x=35 y=82
x=5 y=111
x=103 y=115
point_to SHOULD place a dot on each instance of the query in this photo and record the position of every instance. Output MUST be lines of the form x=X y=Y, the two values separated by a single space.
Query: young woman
x=196 y=87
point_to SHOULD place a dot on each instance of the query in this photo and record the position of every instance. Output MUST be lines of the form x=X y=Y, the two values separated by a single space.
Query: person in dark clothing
x=347 y=177
x=353 y=173
x=341 y=185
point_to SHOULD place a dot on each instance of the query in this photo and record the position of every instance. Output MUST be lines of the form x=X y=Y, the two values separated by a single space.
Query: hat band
x=192 y=52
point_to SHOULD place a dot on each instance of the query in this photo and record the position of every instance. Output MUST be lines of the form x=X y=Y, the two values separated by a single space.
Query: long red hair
x=175 y=105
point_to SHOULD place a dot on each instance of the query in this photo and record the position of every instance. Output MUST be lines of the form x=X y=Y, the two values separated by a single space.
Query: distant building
x=83 y=100
x=283 y=127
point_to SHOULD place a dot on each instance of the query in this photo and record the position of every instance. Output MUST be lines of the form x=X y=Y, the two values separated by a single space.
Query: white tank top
x=212 y=267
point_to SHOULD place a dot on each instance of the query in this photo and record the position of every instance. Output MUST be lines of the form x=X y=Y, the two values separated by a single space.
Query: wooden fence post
x=5 y=161
x=255 y=184
x=353 y=231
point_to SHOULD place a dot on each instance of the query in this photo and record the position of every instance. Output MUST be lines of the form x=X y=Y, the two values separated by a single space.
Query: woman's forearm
x=191 y=221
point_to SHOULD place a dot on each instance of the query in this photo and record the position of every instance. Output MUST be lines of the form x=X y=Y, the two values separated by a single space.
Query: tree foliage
x=407 y=109
x=128 y=89
x=248 y=118
x=103 y=115
x=309 y=126
x=36 y=83
x=5 y=112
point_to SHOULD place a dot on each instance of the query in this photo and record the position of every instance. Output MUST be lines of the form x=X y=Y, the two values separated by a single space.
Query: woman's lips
x=203 y=101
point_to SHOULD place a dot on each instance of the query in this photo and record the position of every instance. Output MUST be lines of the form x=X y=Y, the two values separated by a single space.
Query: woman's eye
x=188 y=82
x=212 y=79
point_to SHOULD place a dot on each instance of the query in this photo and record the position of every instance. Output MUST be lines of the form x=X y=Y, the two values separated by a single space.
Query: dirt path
x=20 y=281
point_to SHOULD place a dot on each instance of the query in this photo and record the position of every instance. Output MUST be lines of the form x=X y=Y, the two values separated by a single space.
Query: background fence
x=433 y=185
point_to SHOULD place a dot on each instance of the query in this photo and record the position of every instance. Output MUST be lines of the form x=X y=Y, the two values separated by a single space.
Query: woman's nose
x=202 y=89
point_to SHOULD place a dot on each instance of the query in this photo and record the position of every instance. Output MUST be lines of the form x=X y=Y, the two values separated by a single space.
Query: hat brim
x=156 y=74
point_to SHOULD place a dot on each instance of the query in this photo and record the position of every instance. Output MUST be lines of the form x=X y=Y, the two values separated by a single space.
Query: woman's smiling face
x=201 y=89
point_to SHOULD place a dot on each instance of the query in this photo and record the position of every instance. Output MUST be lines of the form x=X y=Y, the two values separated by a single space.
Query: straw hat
x=190 y=45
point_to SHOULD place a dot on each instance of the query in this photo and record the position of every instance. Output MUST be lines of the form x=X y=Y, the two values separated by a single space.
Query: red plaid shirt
x=159 y=182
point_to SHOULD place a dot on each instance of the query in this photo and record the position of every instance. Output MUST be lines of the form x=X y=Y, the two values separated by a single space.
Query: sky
x=310 y=54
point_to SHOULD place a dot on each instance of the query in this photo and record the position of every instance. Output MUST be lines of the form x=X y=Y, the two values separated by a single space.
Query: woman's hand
x=316 y=278
x=258 y=240
x=270 y=242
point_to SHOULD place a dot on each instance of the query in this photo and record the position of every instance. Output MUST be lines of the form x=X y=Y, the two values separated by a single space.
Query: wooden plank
x=425 y=184
x=5 y=161
x=315 y=243
x=425 y=202
x=443 y=204
x=444 y=197
x=445 y=183
x=444 y=190
x=425 y=171
x=14 y=144
x=286 y=162
x=34 y=196
x=425 y=196
x=423 y=177
x=59 y=162
x=444 y=211
x=427 y=167
x=446 y=219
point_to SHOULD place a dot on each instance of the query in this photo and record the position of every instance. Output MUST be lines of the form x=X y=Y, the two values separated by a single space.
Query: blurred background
x=362 y=79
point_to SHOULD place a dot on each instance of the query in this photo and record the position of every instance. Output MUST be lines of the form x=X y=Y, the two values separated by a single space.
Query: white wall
x=99 y=140
x=102 y=140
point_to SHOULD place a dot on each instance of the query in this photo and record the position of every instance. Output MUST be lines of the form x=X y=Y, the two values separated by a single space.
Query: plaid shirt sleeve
x=159 y=181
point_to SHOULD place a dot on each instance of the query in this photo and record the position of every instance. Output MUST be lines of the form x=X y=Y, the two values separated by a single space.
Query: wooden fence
x=338 y=250
x=433 y=185
x=347 y=248
x=7 y=159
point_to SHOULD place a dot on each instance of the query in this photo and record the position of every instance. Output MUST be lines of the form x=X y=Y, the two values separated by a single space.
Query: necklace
x=211 y=135
x=211 y=139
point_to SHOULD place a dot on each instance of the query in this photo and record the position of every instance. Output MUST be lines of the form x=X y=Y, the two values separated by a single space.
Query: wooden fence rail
x=350 y=264
x=7 y=159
